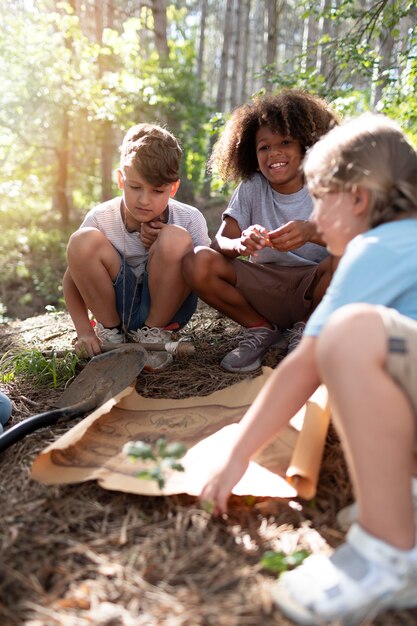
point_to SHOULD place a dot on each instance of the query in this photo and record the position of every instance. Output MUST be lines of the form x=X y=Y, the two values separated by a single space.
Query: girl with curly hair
x=288 y=269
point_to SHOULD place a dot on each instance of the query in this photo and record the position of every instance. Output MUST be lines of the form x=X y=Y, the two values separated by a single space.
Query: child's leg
x=375 y=420
x=94 y=264
x=325 y=271
x=212 y=277
x=167 y=287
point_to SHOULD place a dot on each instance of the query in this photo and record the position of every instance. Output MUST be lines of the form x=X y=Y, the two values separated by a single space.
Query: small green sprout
x=163 y=455
x=278 y=562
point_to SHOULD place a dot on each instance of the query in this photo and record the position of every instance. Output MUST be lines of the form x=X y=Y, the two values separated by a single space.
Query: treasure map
x=93 y=449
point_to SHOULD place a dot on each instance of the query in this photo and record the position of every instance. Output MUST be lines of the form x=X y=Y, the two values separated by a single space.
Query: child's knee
x=173 y=242
x=196 y=265
x=84 y=242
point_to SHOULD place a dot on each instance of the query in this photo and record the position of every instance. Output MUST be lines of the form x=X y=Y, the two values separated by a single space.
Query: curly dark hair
x=291 y=112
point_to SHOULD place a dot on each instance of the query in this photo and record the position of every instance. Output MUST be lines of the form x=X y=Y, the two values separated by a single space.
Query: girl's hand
x=291 y=236
x=149 y=232
x=217 y=490
x=87 y=345
x=252 y=240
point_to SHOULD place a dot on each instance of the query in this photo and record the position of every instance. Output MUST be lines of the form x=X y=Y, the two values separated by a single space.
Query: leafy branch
x=161 y=457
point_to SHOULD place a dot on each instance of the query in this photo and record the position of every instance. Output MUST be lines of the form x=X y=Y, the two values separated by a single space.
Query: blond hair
x=371 y=152
x=153 y=151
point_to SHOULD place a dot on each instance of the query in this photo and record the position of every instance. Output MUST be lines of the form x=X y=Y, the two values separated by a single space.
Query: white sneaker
x=349 y=514
x=362 y=578
x=150 y=335
x=110 y=336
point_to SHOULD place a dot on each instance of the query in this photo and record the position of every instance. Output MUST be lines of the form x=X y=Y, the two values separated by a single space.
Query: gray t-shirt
x=255 y=202
x=107 y=218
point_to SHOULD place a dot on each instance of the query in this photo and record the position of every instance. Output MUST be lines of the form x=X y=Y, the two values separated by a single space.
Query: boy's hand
x=149 y=232
x=252 y=240
x=87 y=345
x=290 y=236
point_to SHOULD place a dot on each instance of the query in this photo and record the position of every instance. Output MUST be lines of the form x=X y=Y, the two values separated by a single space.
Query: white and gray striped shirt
x=107 y=218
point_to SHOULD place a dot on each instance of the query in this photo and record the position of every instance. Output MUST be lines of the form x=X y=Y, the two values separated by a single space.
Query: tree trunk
x=236 y=56
x=224 y=62
x=246 y=51
x=386 y=43
x=202 y=39
x=159 y=12
x=274 y=9
x=60 y=202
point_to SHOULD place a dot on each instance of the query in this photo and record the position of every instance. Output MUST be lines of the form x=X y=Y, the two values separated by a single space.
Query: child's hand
x=217 y=490
x=252 y=240
x=87 y=345
x=149 y=232
x=290 y=236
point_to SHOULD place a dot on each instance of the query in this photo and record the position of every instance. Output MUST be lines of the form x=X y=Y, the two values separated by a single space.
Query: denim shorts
x=133 y=300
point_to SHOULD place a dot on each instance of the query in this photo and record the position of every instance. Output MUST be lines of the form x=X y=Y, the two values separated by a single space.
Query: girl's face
x=279 y=159
x=340 y=216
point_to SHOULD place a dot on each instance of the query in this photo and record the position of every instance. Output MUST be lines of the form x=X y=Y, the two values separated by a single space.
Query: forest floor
x=78 y=555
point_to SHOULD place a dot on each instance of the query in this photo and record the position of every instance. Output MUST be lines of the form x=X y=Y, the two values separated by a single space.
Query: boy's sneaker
x=110 y=336
x=349 y=515
x=251 y=349
x=362 y=578
x=150 y=335
x=294 y=335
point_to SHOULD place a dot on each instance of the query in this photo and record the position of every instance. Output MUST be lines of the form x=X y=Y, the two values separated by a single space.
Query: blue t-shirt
x=378 y=267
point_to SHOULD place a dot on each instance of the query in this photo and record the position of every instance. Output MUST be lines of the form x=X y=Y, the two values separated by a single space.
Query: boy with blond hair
x=124 y=262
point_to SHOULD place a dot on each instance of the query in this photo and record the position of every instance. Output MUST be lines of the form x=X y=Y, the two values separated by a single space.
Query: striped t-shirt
x=107 y=218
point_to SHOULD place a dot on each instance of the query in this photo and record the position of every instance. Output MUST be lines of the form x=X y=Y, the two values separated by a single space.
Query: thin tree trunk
x=224 y=63
x=246 y=52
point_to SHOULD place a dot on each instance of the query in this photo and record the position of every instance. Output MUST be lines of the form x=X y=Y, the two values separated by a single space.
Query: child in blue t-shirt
x=361 y=342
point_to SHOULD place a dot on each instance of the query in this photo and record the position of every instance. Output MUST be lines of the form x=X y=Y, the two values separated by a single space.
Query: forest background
x=75 y=75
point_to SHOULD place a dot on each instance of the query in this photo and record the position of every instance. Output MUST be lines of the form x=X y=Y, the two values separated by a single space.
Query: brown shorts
x=402 y=351
x=283 y=295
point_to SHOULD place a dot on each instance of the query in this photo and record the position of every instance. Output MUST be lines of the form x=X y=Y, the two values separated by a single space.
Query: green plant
x=33 y=365
x=160 y=458
x=278 y=562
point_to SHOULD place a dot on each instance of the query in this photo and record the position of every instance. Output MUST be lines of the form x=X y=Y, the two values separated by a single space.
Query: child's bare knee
x=174 y=242
x=83 y=241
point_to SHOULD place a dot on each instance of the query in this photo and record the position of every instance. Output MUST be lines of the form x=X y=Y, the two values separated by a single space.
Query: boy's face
x=144 y=202
x=279 y=159
x=340 y=216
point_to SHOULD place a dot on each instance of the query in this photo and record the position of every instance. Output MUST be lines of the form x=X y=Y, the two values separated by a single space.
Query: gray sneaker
x=251 y=349
x=294 y=335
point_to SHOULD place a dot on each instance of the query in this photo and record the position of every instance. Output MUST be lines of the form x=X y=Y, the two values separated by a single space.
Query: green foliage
x=34 y=367
x=278 y=562
x=159 y=458
x=32 y=264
